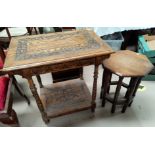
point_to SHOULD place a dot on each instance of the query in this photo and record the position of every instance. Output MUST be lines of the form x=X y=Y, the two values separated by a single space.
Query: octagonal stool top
x=128 y=64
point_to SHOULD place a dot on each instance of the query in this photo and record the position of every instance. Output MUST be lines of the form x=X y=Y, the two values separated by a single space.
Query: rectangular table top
x=36 y=50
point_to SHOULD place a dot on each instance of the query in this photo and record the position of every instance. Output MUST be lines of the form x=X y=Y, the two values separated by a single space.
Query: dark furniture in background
x=131 y=37
x=5 y=41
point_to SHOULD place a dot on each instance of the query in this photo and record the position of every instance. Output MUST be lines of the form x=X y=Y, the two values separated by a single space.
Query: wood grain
x=65 y=97
x=128 y=64
x=30 y=51
x=39 y=54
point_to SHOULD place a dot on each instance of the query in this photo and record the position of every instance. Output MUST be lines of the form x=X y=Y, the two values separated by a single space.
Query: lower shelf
x=121 y=99
x=65 y=97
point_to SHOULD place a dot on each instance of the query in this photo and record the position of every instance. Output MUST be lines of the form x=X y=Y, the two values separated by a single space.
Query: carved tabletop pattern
x=37 y=50
x=42 y=50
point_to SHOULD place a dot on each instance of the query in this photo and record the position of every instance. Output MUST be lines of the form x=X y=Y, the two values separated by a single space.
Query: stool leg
x=136 y=88
x=118 y=88
x=130 y=83
x=103 y=80
x=130 y=93
x=109 y=82
x=101 y=93
x=105 y=85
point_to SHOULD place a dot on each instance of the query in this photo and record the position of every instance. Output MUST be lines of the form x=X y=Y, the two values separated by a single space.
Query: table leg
x=38 y=100
x=19 y=89
x=39 y=81
x=81 y=73
x=94 y=91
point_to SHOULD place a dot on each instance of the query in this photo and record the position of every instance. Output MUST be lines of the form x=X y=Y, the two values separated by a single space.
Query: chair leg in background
x=20 y=91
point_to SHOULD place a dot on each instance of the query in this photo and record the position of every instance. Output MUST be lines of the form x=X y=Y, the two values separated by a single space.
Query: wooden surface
x=36 y=50
x=128 y=63
x=115 y=98
x=39 y=54
x=65 y=97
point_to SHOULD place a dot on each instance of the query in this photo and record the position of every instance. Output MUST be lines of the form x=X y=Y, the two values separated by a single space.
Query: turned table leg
x=38 y=100
x=94 y=91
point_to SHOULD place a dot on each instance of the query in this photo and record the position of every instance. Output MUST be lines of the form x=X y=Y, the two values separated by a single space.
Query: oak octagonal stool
x=123 y=64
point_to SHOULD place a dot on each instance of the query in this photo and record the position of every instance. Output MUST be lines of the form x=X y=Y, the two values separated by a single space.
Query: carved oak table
x=30 y=56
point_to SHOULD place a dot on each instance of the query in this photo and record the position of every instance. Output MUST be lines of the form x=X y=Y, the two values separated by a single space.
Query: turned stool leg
x=105 y=85
x=130 y=93
x=117 y=94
